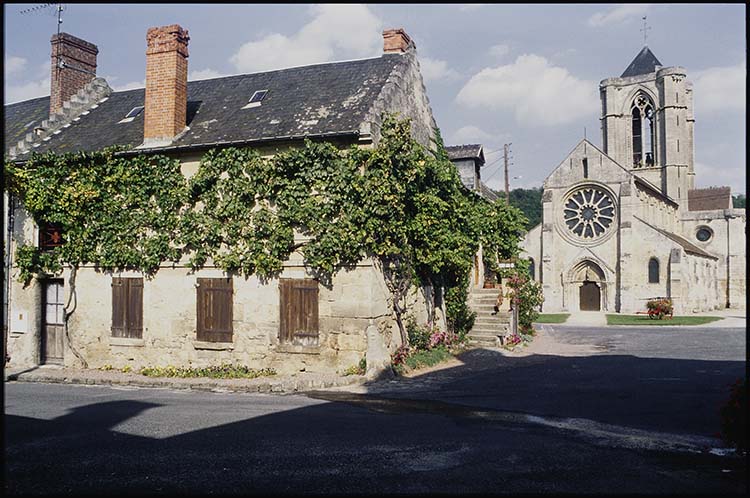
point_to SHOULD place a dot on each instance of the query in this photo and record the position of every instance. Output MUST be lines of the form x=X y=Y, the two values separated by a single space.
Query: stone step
x=487 y=332
x=486 y=344
x=484 y=307
x=486 y=322
x=484 y=291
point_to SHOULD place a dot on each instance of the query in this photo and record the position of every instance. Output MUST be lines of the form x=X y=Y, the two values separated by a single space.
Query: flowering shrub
x=419 y=337
x=658 y=308
x=512 y=340
x=440 y=338
x=526 y=295
x=400 y=355
x=734 y=416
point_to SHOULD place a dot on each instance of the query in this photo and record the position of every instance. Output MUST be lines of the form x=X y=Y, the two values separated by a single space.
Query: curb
x=286 y=385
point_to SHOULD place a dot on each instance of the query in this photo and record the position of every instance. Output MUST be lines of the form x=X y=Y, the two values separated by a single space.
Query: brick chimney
x=166 y=84
x=73 y=67
x=396 y=41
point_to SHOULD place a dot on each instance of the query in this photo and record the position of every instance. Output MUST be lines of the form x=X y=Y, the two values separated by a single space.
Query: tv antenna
x=43 y=7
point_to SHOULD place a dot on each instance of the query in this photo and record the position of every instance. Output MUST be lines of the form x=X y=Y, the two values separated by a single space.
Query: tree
x=529 y=201
x=738 y=201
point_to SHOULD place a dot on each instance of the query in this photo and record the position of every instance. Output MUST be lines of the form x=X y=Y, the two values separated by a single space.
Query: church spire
x=644 y=63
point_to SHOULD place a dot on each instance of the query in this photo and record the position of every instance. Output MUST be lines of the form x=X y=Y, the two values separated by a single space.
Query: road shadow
x=449 y=431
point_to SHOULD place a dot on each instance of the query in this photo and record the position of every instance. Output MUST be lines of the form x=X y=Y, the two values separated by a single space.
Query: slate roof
x=470 y=151
x=315 y=100
x=644 y=63
x=686 y=244
x=704 y=199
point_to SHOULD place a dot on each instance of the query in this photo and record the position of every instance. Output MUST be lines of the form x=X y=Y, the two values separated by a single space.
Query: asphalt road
x=637 y=417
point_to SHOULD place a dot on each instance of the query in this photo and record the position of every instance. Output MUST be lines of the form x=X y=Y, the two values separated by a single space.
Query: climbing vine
x=400 y=203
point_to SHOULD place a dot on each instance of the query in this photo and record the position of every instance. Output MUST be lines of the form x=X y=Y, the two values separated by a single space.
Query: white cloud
x=14 y=65
x=337 y=31
x=720 y=89
x=204 y=74
x=130 y=86
x=471 y=134
x=618 y=14
x=26 y=91
x=537 y=92
x=435 y=69
x=499 y=50
x=468 y=7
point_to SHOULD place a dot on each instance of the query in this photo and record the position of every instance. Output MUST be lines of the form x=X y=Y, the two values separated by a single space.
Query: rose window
x=589 y=212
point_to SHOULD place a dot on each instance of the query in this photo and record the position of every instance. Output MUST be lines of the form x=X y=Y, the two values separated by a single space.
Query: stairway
x=488 y=328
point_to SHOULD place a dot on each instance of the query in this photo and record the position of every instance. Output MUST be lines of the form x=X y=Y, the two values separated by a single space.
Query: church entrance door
x=590 y=297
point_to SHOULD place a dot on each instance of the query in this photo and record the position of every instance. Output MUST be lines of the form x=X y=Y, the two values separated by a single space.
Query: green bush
x=419 y=337
x=223 y=371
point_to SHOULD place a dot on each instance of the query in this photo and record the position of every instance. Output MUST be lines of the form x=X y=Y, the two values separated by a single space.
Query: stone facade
x=616 y=228
x=354 y=314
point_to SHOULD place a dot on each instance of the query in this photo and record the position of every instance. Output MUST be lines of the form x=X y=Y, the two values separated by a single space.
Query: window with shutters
x=214 y=311
x=50 y=236
x=298 y=324
x=127 y=307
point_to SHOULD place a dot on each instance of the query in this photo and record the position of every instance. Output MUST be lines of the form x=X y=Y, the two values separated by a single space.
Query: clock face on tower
x=589 y=213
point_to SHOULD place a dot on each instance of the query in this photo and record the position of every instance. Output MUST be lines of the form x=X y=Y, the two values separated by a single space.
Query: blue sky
x=495 y=73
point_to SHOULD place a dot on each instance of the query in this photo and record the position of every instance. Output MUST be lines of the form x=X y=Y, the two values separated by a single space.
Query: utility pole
x=505 y=160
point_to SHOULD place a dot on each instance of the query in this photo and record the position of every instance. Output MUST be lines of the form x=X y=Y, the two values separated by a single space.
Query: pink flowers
x=439 y=337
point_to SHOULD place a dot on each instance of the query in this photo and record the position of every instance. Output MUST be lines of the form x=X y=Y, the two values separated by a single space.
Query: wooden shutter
x=214 y=309
x=298 y=311
x=135 y=308
x=119 y=294
x=127 y=307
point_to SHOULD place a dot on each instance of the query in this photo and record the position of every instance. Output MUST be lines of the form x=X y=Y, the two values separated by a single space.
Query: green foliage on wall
x=399 y=203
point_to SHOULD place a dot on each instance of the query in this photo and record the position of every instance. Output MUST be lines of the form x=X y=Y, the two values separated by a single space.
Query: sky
x=527 y=75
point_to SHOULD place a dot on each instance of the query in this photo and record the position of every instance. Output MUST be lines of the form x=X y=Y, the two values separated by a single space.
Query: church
x=623 y=222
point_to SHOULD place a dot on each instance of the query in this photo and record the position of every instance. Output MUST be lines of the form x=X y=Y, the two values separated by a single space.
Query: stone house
x=623 y=223
x=182 y=318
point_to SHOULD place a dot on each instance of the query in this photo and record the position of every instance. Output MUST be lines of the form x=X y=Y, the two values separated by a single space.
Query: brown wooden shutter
x=127 y=307
x=298 y=309
x=214 y=309
x=135 y=308
x=119 y=293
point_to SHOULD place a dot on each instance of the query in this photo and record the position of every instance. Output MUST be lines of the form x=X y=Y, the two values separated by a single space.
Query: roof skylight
x=135 y=111
x=256 y=99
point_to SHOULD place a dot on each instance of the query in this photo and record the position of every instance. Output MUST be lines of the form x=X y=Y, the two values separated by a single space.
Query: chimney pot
x=396 y=41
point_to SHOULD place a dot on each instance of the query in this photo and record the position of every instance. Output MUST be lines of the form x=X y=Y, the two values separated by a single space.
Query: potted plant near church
x=659 y=308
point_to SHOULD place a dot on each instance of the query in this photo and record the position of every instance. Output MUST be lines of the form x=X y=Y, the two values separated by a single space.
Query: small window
x=704 y=234
x=532 y=268
x=653 y=271
x=50 y=236
x=256 y=99
x=298 y=303
x=585 y=167
x=127 y=307
x=135 y=111
x=214 y=313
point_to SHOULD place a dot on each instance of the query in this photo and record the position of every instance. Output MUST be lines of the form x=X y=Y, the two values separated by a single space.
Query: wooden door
x=53 y=330
x=590 y=297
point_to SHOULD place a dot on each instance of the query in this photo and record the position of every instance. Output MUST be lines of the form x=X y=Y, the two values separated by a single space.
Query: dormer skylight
x=135 y=111
x=256 y=99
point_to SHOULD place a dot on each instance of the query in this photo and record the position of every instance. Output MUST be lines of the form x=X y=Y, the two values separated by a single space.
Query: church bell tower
x=647 y=123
